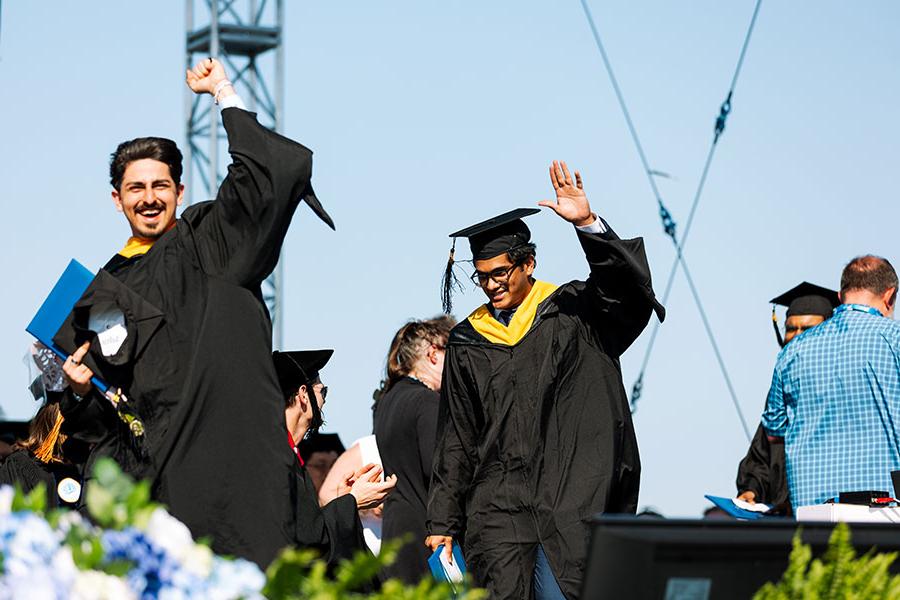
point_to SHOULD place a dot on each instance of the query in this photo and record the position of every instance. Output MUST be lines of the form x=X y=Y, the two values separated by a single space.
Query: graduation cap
x=805 y=299
x=299 y=367
x=320 y=442
x=487 y=239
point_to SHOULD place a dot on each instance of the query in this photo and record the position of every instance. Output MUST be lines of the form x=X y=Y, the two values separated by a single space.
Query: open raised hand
x=571 y=202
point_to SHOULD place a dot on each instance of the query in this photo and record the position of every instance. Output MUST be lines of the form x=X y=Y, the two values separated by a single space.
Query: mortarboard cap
x=320 y=442
x=498 y=234
x=808 y=299
x=487 y=239
x=299 y=367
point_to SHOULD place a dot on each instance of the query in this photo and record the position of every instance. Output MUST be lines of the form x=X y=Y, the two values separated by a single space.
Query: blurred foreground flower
x=134 y=548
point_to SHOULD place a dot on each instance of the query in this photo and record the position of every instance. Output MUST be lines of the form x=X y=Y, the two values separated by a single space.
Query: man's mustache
x=154 y=206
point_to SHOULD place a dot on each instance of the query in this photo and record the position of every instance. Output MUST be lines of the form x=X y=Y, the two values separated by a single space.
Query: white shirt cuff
x=232 y=101
x=596 y=227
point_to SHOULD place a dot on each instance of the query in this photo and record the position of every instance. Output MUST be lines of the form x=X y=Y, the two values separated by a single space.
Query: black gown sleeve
x=90 y=420
x=618 y=291
x=459 y=431
x=240 y=238
x=753 y=472
x=334 y=529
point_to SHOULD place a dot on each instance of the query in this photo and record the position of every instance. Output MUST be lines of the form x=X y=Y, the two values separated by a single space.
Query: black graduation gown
x=334 y=529
x=405 y=430
x=762 y=471
x=536 y=438
x=197 y=364
x=26 y=470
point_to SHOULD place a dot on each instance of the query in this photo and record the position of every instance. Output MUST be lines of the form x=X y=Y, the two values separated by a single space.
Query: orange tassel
x=45 y=451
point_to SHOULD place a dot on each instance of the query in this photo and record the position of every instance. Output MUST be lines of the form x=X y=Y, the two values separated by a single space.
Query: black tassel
x=449 y=282
x=777 y=331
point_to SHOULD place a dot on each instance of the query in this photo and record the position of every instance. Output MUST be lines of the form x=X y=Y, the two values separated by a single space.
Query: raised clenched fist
x=205 y=76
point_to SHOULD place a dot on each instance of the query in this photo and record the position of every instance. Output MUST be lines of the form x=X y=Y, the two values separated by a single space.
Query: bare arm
x=335 y=482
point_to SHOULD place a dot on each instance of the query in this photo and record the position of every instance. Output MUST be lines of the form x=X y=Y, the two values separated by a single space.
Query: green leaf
x=117 y=568
x=87 y=550
x=34 y=501
x=100 y=503
x=838 y=574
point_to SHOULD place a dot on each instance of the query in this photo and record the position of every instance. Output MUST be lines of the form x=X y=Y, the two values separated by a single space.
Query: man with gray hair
x=835 y=394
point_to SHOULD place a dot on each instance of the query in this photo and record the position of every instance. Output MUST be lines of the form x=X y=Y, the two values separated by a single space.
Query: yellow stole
x=492 y=329
x=135 y=246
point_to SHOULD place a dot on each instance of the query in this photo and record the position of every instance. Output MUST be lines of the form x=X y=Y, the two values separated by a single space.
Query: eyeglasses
x=324 y=391
x=498 y=276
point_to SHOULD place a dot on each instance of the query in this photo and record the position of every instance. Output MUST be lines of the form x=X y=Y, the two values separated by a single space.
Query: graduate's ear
x=180 y=197
x=117 y=200
x=529 y=265
x=302 y=398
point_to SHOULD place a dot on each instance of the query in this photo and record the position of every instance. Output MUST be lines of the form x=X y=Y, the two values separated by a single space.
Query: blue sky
x=426 y=117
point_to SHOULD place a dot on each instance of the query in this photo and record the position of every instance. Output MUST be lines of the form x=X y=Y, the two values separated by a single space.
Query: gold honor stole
x=495 y=332
x=135 y=246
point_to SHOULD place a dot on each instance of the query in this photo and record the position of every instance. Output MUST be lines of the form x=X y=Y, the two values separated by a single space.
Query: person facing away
x=835 y=393
x=761 y=474
x=334 y=529
x=41 y=458
x=534 y=429
x=405 y=420
x=175 y=323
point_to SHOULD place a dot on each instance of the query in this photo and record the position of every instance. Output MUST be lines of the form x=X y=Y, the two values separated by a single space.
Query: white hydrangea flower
x=198 y=561
x=29 y=543
x=6 y=499
x=36 y=584
x=173 y=536
x=63 y=567
x=233 y=579
x=69 y=519
x=94 y=585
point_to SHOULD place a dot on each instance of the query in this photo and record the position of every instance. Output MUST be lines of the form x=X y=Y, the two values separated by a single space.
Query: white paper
x=454 y=575
x=110 y=329
x=758 y=507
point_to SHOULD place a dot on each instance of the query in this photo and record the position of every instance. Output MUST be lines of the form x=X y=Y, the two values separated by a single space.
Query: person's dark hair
x=520 y=254
x=317 y=419
x=290 y=398
x=44 y=439
x=871 y=273
x=161 y=149
x=409 y=343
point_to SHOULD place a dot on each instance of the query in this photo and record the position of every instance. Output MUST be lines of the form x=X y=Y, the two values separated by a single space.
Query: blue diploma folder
x=735 y=511
x=449 y=573
x=56 y=308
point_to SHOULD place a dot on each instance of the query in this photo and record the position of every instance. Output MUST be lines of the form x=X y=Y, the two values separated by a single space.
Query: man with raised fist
x=175 y=324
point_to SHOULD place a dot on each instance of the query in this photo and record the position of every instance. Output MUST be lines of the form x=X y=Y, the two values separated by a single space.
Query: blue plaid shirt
x=835 y=399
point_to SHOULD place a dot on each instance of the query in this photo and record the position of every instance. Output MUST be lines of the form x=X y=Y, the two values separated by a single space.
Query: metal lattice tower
x=246 y=36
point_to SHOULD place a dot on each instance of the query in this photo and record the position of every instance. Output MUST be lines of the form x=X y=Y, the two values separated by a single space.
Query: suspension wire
x=721 y=119
x=664 y=214
x=668 y=222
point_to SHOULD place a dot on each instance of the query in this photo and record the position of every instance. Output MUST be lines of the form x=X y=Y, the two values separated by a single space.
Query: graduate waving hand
x=571 y=202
